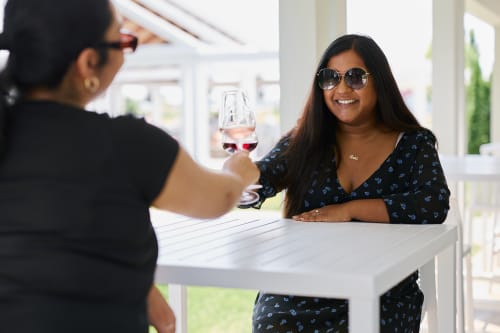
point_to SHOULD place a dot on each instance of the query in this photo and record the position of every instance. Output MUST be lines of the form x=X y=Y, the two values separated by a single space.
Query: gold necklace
x=354 y=157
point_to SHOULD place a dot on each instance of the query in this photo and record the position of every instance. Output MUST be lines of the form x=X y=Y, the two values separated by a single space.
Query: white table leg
x=428 y=286
x=177 y=299
x=364 y=315
x=446 y=290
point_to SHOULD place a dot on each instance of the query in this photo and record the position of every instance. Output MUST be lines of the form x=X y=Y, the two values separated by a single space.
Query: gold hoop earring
x=92 y=84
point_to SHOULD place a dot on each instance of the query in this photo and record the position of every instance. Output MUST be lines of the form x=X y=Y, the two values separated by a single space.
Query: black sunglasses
x=355 y=78
x=127 y=43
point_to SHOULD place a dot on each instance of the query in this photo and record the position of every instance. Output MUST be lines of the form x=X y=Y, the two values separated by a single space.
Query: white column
x=331 y=22
x=2 y=5
x=196 y=137
x=3 y=54
x=177 y=299
x=306 y=27
x=448 y=111
x=187 y=82
x=495 y=92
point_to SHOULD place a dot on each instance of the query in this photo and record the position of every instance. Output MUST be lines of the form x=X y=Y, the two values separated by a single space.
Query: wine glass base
x=248 y=198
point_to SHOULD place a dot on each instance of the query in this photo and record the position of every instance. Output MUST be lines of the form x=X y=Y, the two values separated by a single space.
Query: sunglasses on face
x=355 y=78
x=127 y=43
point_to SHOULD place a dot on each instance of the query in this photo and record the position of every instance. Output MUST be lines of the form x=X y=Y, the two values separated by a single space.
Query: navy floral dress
x=412 y=184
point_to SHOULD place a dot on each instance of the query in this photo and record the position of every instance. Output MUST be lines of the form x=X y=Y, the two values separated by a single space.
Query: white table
x=471 y=167
x=356 y=261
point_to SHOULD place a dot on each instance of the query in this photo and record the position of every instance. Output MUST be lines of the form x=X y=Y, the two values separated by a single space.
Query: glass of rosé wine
x=237 y=128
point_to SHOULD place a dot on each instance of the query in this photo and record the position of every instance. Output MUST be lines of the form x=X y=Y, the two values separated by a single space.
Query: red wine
x=249 y=145
x=229 y=147
x=232 y=147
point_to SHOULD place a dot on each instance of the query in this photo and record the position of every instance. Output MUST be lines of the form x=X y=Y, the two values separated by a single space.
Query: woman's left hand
x=331 y=213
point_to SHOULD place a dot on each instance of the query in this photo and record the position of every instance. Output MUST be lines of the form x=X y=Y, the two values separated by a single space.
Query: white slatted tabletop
x=252 y=250
x=471 y=168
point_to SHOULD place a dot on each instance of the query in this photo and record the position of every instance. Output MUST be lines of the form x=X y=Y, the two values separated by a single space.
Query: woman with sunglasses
x=77 y=248
x=356 y=154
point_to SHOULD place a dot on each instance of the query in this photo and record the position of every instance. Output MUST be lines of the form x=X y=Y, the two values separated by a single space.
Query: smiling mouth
x=345 y=101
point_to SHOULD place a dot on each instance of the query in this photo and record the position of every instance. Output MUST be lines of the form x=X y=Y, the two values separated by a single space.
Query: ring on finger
x=316 y=212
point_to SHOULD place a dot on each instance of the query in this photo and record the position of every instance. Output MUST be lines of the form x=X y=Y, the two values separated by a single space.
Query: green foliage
x=477 y=100
x=132 y=107
x=217 y=310
x=274 y=203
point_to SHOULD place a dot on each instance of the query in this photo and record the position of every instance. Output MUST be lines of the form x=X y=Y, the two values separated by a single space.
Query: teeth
x=346 y=101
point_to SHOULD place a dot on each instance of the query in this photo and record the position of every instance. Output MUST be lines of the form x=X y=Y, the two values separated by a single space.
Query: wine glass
x=237 y=127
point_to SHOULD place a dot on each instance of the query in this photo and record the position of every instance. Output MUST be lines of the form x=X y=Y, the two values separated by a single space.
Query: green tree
x=131 y=107
x=477 y=100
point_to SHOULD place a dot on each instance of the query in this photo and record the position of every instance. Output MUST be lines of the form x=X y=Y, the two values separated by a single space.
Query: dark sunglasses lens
x=128 y=43
x=328 y=78
x=356 y=78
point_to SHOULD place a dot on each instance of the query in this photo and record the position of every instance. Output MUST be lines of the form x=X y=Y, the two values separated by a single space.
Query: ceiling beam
x=204 y=30
x=157 y=25
x=484 y=11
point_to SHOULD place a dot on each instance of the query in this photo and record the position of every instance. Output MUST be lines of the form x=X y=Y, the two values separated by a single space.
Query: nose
x=342 y=86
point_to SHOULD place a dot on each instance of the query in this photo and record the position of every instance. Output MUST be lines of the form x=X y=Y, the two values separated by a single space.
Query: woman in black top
x=77 y=248
x=356 y=154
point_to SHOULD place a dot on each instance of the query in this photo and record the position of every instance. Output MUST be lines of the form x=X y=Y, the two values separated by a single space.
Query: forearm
x=367 y=210
x=196 y=191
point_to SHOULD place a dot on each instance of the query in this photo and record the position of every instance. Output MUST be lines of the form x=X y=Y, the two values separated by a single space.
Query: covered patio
x=183 y=54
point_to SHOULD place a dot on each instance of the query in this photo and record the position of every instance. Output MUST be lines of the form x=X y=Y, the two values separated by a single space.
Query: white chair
x=465 y=309
x=485 y=198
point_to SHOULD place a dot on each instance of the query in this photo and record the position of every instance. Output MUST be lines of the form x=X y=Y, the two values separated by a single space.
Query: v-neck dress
x=413 y=186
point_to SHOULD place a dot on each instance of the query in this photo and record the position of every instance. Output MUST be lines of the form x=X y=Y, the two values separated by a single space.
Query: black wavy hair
x=43 y=38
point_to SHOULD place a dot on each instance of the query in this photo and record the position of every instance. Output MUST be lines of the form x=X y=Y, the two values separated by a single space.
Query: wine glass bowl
x=235 y=111
x=237 y=122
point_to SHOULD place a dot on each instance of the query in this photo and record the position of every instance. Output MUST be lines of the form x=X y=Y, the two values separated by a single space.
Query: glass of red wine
x=237 y=127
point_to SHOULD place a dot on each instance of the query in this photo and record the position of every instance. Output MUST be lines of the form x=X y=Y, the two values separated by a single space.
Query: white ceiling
x=493 y=5
x=486 y=10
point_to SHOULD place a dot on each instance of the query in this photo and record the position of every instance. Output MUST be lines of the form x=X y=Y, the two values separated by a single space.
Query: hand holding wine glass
x=237 y=126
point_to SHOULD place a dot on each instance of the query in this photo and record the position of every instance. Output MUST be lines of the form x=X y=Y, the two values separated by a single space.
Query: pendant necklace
x=353 y=157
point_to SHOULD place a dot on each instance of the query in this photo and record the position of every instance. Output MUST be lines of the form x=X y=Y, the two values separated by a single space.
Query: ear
x=87 y=63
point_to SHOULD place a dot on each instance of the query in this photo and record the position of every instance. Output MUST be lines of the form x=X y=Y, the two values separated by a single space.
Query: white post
x=306 y=28
x=331 y=22
x=177 y=299
x=448 y=110
x=297 y=32
x=495 y=92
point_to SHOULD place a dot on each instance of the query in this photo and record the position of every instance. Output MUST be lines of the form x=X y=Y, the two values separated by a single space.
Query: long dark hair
x=43 y=38
x=314 y=139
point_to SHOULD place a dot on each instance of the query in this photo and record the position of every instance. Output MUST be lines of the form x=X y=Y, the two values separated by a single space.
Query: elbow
x=227 y=202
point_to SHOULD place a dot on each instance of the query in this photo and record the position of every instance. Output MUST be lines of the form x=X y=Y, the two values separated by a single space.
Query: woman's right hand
x=241 y=165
